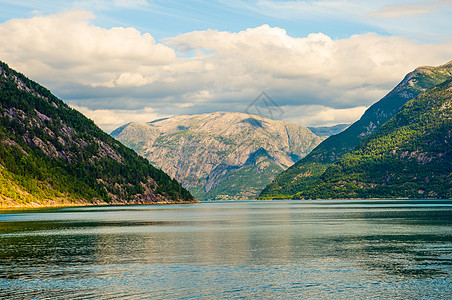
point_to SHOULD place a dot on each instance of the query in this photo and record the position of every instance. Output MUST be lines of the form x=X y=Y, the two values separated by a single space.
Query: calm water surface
x=260 y=250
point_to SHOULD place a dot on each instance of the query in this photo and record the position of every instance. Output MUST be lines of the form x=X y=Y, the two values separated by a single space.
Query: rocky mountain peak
x=204 y=151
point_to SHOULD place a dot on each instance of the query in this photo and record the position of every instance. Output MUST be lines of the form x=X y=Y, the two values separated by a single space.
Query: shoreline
x=35 y=205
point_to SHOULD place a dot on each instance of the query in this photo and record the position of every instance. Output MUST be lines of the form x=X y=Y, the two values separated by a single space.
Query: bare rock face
x=220 y=155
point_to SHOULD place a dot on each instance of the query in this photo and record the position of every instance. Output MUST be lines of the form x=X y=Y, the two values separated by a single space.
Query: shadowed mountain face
x=410 y=156
x=308 y=170
x=220 y=155
x=51 y=154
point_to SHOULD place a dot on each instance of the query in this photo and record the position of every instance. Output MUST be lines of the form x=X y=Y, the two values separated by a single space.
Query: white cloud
x=114 y=74
x=339 y=71
x=318 y=115
x=67 y=47
x=129 y=79
x=397 y=11
x=110 y=119
x=410 y=9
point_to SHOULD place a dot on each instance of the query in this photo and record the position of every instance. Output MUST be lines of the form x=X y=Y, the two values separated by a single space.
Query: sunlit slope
x=307 y=171
x=409 y=157
x=221 y=155
x=51 y=154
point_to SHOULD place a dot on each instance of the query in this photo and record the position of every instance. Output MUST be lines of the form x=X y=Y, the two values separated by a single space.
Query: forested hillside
x=308 y=170
x=51 y=154
x=409 y=157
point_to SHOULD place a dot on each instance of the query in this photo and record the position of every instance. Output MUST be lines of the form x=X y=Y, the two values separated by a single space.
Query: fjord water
x=261 y=250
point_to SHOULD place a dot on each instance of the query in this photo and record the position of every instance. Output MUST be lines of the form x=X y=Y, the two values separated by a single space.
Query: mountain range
x=303 y=179
x=50 y=154
x=221 y=155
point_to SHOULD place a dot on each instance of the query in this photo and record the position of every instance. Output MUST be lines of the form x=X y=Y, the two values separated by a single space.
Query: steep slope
x=409 y=157
x=220 y=155
x=51 y=154
x=304 y=173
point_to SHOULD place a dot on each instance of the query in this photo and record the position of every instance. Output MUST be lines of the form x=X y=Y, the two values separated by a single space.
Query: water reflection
x=245 y=249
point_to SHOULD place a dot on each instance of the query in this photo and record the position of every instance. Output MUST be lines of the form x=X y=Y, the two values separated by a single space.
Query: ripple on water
x=262 y=250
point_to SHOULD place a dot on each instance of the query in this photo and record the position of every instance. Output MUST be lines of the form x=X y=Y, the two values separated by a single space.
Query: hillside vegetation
x=409 y=157
x=50 y=154
x=301 y=176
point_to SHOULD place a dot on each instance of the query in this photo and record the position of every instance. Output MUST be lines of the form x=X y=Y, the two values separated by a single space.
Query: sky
x=321 y=62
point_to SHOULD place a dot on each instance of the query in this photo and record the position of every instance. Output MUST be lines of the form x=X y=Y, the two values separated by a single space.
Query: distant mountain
x=51 y=154
x=220 y=155
x=410 y=156
x=305 y=172
x=329 y=130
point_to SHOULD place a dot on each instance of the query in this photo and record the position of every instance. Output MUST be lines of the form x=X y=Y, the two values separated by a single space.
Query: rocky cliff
x=220 y=155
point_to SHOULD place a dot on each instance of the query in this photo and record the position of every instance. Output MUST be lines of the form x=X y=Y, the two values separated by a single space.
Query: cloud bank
x=117 y=75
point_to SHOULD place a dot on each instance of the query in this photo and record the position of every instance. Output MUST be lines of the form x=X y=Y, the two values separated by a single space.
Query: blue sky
x=339 y=19
x=324 y=62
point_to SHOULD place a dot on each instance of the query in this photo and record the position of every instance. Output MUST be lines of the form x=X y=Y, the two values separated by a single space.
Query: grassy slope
x=245 y=182
x=409 y=157
x=308 y=170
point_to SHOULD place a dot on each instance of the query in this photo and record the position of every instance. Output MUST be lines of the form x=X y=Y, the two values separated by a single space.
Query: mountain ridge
x=50 y=154
x=207 y=150
x=305 y=172
x=409 y=157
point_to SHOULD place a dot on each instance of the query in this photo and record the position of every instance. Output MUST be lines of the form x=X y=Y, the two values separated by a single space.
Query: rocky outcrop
x=207 y=152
